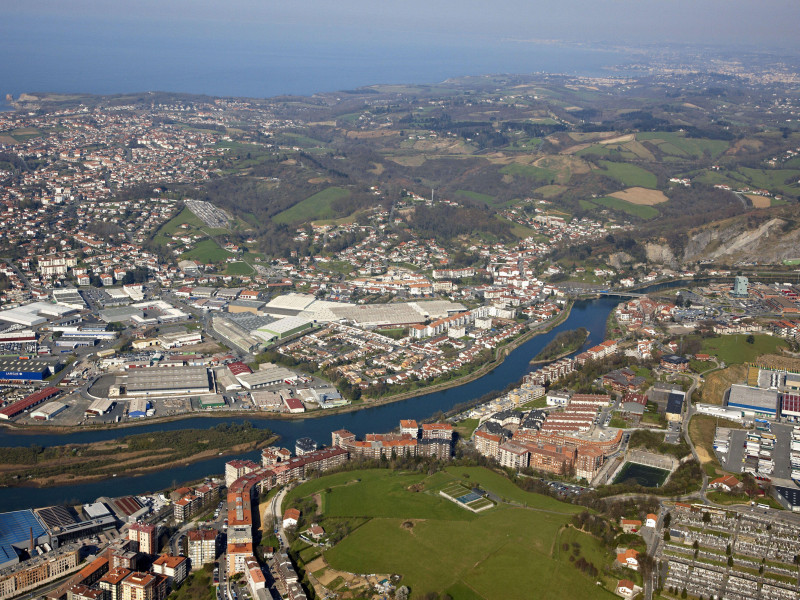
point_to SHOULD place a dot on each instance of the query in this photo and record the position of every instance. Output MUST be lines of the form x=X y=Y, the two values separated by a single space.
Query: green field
x=24 y=134
x=173 y=225
x=206 y=251
x=477 y=196
x=635 y=210
x=530 y=172
x=772 y=179
x=735 y=349
x=518 y=230
x=600 y=150
x=775 y=180
x=549 y=191
x=239 y=268
x=677 y=144
x=318 y=206
x=466 y=427
x=505 y=552
x=629 y=175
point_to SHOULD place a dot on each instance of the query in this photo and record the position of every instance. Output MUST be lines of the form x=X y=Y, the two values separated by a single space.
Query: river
x=590 y=314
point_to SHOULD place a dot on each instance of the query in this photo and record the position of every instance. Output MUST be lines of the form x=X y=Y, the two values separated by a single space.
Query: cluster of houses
x=564 y=441
x=129 y=568
x=641 y=313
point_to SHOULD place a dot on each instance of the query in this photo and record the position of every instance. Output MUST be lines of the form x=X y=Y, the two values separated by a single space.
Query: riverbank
x=499 y=356
x=591 y=315
x=570 y=341
x=130 y=456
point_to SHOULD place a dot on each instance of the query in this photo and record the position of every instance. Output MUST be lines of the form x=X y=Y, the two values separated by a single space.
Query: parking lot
x=673 y=435
x=733 y=460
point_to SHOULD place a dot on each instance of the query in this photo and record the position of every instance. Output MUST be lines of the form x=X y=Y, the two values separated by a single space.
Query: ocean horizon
x=116 y=60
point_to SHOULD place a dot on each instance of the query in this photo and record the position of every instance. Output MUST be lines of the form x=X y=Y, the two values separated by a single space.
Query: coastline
x=500 y=356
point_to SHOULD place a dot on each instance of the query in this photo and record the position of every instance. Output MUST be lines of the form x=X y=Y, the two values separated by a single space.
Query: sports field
x=458 y=492
x=506 y=552
x=206 y=251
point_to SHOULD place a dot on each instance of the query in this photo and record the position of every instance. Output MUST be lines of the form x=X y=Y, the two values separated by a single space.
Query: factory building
x=753 y=401
x=48 y=411
x=284 y=328
x=235 y=335
x=99 y=407
x=179 y=339
x=790 y=406
x=18 y=529
x=139 y=408
x=20 y=406
x=34 y=313
x=27 y=369
x=18 y=341
x=271 y=375
x=153 y=381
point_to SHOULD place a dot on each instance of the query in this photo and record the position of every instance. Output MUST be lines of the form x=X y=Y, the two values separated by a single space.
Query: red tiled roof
x=291 y=513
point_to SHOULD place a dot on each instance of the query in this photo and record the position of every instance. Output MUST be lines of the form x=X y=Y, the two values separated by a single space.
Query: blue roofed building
x=674 y=408
x=16 y=529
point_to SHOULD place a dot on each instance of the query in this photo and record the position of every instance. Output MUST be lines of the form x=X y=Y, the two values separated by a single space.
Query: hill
x=399 y=524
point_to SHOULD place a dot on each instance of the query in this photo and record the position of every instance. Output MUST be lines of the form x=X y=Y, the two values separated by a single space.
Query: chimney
x=31 y=546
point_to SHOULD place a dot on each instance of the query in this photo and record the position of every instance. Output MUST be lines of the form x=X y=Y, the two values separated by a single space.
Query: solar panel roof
x=56 y=516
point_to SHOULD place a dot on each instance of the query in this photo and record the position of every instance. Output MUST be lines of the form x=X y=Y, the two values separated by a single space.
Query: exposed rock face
x=772 y=241
x=618 y=259
x=660 y=254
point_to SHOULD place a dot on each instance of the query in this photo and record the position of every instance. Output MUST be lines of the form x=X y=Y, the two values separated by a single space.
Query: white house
x=290 y=517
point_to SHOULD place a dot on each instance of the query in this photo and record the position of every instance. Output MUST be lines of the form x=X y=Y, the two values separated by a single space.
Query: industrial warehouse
x=154 y=381
x=27 y=369
x=754 y=401
x=20 y=406
x=250 y=327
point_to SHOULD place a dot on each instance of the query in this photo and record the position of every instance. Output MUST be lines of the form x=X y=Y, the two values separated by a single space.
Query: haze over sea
x=78 y=57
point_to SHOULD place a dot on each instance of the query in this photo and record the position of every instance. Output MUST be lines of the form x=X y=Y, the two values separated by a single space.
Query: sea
x=63 y=56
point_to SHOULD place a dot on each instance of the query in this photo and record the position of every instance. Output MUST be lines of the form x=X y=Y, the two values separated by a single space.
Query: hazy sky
x=273 y=47
x=770 y=23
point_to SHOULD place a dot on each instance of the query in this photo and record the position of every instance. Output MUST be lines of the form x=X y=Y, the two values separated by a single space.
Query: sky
x=273 y=47
x=768 y=23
